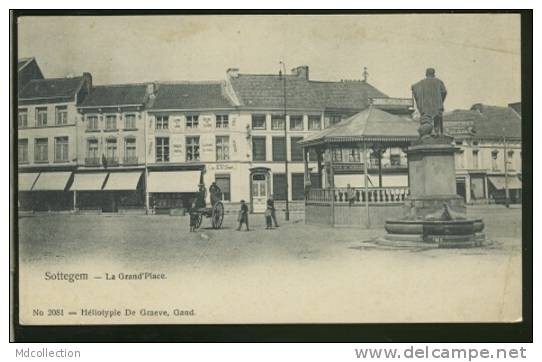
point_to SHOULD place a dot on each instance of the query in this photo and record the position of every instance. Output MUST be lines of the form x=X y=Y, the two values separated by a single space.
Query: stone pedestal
x=433 y=212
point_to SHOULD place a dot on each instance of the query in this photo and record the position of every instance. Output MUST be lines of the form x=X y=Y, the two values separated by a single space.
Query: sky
x=476 y=55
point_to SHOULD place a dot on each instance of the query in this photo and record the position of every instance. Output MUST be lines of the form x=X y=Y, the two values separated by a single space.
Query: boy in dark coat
x=243 y=215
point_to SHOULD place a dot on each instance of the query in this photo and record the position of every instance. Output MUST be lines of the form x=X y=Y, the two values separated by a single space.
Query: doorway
x=260 y=192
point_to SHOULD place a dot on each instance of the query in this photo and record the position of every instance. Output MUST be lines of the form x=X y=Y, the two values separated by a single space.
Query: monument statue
x=429 y=95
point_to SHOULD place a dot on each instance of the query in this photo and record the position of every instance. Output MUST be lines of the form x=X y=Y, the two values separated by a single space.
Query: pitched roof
x=191 y=95
x=487 y=121
x=116 y=95
x=51 y=88
x=23 y=62
x=266 y=91
x=349 y=94
x=371 y=124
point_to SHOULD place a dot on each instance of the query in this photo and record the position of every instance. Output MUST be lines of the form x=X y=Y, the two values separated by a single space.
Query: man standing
x=243 y=215
x=215 y=192
x=429 y=94
x=271 y=206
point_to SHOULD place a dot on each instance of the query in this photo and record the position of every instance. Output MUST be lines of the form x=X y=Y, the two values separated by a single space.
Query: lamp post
x=282 y=74
x=505 y=157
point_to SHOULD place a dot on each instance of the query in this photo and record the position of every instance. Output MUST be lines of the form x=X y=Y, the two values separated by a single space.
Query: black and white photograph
x=195 y=169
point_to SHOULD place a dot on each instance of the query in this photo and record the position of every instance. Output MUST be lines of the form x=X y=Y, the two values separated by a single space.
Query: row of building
x=148 y=146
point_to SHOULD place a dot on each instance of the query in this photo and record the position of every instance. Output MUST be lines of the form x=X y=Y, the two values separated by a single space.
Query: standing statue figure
x=429 y=94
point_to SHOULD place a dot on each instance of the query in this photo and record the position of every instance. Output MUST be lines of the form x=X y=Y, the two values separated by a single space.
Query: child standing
x=243 y=215
x=268 y=217
x=193 y=216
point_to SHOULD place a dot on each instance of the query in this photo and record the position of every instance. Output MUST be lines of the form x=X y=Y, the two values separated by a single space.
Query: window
x=92 y=123
x=296 y=123
x=315 y=123
x=111 y=149
x=41 y=150
x=258 y=121
x=130 y=154
x=298 y=186
x=222 y=121
x=162 y=122
x=346 y=155
x=494 y=157
x=223 y=181
x=130 y=121
x=23 y=118
x=111 y=122
x=258 y=149
x=296 y=149
x=192 y=148
x=475 y=159
x=222 y=148
x=61 y=149
x=92 y=149
x=332 y=119
x=395 y=160
x=61 y=115
x=279 y=186
x=279 y=149
x=162 y=149
x=192 y=121
x=41 y=116
x=337 y=155
x=22 y=150
x=277 y=122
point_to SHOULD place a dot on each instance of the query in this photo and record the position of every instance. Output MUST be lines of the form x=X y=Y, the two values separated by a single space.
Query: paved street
x=296 y=273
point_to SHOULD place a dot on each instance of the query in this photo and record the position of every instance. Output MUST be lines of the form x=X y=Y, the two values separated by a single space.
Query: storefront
x=498 y=185
x=45 y=191
x=173 y=189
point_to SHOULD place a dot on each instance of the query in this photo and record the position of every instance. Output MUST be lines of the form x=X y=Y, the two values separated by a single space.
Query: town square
x=202 y=186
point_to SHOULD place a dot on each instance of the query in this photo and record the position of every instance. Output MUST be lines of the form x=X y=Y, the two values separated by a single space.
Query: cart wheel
x=217 y=215
x=198 y=221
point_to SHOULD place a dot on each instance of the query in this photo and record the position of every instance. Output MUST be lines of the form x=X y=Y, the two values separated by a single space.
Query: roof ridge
x=120 y=85
x=184 y=82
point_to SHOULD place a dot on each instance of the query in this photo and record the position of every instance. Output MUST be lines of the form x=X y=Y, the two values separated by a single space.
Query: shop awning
x=499 y=182
x=174 y=181
x=88 y=181
x=118 y=181
x=52 y=181
x=26 y=180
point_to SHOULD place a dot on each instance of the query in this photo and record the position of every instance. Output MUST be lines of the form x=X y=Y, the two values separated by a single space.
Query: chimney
x=87 y=77
x=232 y=72
x=302 y=72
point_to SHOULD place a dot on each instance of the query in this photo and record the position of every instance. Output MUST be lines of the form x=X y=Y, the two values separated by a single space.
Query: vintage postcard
x=241 y=169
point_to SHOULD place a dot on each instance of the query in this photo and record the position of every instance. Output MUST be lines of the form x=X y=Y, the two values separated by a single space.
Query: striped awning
x=500 y=183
